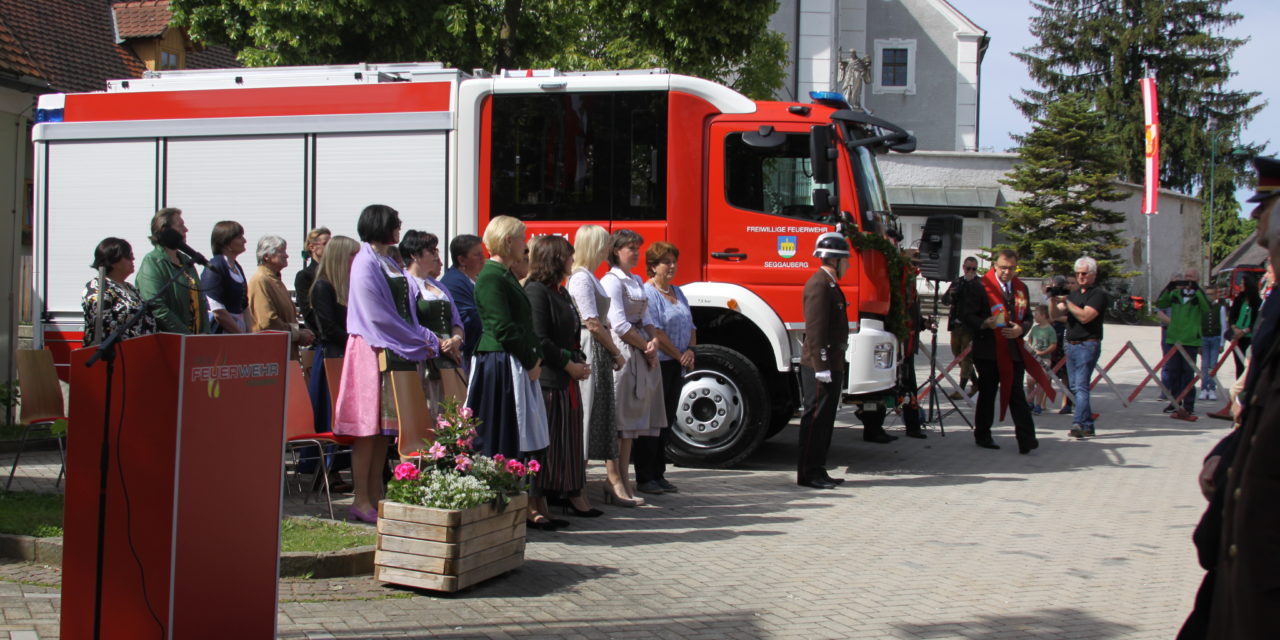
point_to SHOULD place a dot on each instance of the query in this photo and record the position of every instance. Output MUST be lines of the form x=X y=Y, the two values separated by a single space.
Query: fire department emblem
x=787 y=246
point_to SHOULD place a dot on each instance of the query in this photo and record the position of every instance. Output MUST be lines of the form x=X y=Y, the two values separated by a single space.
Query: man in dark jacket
x=961 y=337
x=1241 y=546
x=997 y=310
x=826 y=338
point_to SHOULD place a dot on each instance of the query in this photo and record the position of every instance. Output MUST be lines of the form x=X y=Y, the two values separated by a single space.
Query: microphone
x=171 y=239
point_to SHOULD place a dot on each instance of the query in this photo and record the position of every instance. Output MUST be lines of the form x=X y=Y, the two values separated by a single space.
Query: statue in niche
x=855 y=73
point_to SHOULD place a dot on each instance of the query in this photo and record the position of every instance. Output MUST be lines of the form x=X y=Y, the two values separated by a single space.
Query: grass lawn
x=315 y=534
x=31 y=514
x=40 y=515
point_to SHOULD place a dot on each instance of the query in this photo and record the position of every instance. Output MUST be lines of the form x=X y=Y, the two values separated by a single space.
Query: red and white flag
x=1151 y=110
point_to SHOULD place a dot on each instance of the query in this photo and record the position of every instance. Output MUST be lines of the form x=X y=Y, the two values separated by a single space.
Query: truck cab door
x=761 y=222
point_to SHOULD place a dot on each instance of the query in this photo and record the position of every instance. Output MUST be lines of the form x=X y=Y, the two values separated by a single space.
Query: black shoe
x=1169 y=409
x=816 y=483
x=879 y=438
x=987 y=444
x=557 y=523
x=1025 y=449
x=589 y=513
x=917 y=433
x=1087 y=433
x=1066 y=410
x=835 y=481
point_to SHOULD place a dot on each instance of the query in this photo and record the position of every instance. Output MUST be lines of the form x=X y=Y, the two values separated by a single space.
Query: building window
x=168 y=60
x=895 y=66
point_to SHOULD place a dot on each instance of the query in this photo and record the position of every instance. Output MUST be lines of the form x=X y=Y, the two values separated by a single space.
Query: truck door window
x=580 y=156
x=776 y=180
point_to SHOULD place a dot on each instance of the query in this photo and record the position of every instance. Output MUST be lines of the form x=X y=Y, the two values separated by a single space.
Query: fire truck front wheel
x=722 y=412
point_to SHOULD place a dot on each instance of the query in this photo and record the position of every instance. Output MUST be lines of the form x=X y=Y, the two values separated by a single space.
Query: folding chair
x=300 y=432
x=42 y=404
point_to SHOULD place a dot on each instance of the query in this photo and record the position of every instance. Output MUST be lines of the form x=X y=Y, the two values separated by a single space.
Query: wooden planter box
x=448 y=549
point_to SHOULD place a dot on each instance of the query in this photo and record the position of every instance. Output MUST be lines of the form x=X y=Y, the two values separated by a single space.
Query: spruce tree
x=1066 y=168
x=1102 y=48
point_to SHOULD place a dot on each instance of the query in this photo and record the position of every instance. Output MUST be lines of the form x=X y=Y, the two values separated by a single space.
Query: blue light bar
x=829 y=98
x=49 y=115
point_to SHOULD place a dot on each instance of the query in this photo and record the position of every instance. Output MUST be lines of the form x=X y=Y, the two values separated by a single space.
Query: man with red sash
x=999 y=314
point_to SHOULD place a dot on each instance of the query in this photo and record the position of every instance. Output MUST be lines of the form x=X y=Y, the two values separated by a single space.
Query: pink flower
x=534 y=466
x=437 y=451
x=406 y=471
x=443 y=422
x=499 y=458
x=466 y=413
x=463 y=463
x=465 y=443
x=514 y=466
x=471 y=433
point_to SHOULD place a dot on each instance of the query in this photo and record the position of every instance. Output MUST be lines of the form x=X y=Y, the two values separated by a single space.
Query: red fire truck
x=743 y=188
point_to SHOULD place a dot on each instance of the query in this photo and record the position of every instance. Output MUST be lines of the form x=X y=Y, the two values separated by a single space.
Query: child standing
x=1043 y=341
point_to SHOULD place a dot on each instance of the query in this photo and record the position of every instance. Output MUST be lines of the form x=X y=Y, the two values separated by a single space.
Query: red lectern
x=192 y=535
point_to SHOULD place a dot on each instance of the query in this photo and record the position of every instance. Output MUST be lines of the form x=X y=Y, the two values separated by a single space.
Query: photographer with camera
x=961 y=336
x=1083 y=310
x=1187 y=305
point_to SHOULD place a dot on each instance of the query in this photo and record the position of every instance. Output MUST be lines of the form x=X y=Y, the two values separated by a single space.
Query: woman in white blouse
x=590 y=246
x=637 y=385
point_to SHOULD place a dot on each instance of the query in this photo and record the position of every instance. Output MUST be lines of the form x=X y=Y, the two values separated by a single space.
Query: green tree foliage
x=1229 y=229
x=723 y=40
x=1066 y=168
x=1102 y=48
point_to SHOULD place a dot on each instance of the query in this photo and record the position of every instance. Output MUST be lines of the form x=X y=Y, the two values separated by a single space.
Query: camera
x=1182 y=284
x=1058 y=288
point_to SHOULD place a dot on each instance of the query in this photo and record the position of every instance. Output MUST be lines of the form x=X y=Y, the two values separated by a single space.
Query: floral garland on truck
x=899 y=270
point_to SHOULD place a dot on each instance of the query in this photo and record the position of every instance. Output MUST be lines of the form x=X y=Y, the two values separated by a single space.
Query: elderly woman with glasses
x=119 y=300
x=269 y=302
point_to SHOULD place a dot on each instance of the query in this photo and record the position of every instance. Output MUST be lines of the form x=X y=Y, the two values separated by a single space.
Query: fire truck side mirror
x=823 y=203
x=821 y=153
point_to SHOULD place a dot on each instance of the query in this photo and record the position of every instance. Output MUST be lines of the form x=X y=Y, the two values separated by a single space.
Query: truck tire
x=784 y=409
x=722 y=413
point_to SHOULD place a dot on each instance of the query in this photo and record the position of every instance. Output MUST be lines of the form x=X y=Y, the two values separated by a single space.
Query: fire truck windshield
x=872 y=201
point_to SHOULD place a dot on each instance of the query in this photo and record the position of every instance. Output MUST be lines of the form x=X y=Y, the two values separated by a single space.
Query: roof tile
x=72 y=43
x=142 y=18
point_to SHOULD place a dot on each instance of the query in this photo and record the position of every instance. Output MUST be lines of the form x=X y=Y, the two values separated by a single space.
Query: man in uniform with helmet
x=826 y=338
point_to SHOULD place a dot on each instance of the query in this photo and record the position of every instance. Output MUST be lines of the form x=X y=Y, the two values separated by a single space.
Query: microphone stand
x=107 y=353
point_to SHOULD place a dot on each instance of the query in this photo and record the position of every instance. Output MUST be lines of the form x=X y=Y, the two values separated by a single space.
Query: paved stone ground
x=926 y=539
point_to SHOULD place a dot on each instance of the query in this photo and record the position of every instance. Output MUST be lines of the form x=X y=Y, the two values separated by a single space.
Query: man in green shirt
x=1187 y=306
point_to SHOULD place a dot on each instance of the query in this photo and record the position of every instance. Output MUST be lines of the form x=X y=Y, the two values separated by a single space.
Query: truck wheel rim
x=709 y=410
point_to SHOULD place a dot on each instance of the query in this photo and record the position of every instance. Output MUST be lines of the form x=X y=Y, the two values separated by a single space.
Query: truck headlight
x=884 y=355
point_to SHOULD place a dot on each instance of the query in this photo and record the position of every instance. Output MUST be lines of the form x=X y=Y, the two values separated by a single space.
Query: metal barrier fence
x=943 y=376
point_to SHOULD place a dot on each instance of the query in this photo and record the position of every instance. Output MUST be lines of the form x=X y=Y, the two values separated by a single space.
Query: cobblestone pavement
x=926 y=539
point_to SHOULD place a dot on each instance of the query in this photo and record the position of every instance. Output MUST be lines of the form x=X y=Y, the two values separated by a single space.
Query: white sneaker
x=1203 y=395
x=1213 y=395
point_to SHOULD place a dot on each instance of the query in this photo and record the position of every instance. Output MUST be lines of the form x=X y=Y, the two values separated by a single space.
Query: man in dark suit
x=467 y=252
x=826 y=338
x=1238 y=539
x=997 y=310
x=961 y=338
